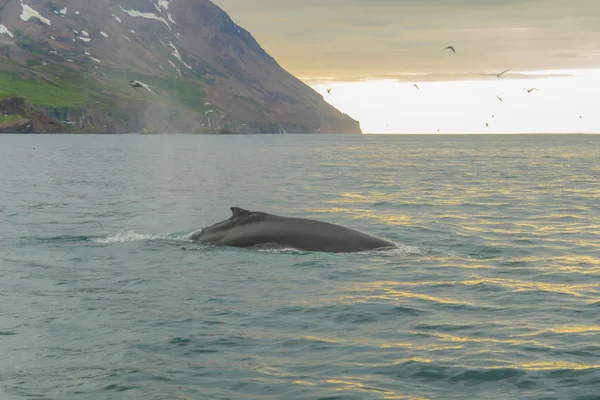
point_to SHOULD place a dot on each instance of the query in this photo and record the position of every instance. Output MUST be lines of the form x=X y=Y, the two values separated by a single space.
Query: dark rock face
x=16 y=117
x=12 y=106
x=207 y=73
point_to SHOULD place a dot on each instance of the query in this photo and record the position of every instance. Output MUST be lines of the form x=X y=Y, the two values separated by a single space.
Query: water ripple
x=493 y=291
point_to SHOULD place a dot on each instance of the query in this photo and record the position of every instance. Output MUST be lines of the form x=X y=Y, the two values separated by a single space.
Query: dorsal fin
x=237 y=211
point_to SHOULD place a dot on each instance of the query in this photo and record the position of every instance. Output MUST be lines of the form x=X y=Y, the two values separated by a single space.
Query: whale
x=247 y=228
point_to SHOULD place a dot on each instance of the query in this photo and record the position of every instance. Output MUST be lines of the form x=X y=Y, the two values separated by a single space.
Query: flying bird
x=415 y=85
x=450 y=48
x=492 y=116
x=138 y=84
x=499 y=75
x=329 y=90
x=530 y=90
x=500 y=98
x=487 y=125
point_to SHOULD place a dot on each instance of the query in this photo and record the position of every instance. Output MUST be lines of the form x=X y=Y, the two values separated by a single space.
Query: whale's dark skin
x=250 y=228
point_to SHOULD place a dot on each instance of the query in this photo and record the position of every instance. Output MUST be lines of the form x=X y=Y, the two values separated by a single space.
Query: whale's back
x=253 y=228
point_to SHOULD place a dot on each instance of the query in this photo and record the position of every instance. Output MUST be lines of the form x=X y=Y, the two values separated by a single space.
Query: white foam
x=77 y=12
x=85 y=39
x=103 y=34
x=171 y=18
x=131 y=236
x=402 y=249
x=96 y=60
x=29 y=13
x=394 y=251
x=5 y=31
x=280 y=250
x=84 y=33
x=116 y=18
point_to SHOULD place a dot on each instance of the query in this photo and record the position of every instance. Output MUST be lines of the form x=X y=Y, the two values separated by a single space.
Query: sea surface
x=492 y=293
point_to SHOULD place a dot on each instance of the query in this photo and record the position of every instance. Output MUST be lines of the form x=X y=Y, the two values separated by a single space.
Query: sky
x=371 y=52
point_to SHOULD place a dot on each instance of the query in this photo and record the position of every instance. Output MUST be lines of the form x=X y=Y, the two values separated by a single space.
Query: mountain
x=72 y=61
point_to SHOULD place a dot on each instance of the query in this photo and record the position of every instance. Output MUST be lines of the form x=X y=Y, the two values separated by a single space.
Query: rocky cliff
x=73 y=60
x=17 y=117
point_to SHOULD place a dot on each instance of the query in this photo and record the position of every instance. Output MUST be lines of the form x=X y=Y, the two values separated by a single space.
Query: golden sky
x=371 y=52
x=346 y=39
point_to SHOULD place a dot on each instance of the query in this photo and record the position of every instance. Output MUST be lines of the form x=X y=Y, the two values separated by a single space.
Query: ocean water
x=492 y=293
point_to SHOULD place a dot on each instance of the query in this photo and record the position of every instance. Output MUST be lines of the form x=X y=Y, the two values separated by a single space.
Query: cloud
x=397 y=38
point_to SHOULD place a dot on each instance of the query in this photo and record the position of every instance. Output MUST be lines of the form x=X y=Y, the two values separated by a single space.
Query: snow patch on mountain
x=29 y=13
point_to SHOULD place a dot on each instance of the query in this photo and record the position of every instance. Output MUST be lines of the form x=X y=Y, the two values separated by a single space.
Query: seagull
x=500 y=98
x=500 y=74
x=487 y=125
x=492 y=116
x=530 y=90
x=451 y=48
x=138 y=84
x=415 y=85
x=329 y=90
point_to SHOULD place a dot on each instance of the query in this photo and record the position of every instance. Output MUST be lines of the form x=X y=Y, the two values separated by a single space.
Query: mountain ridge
x=73 y=60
